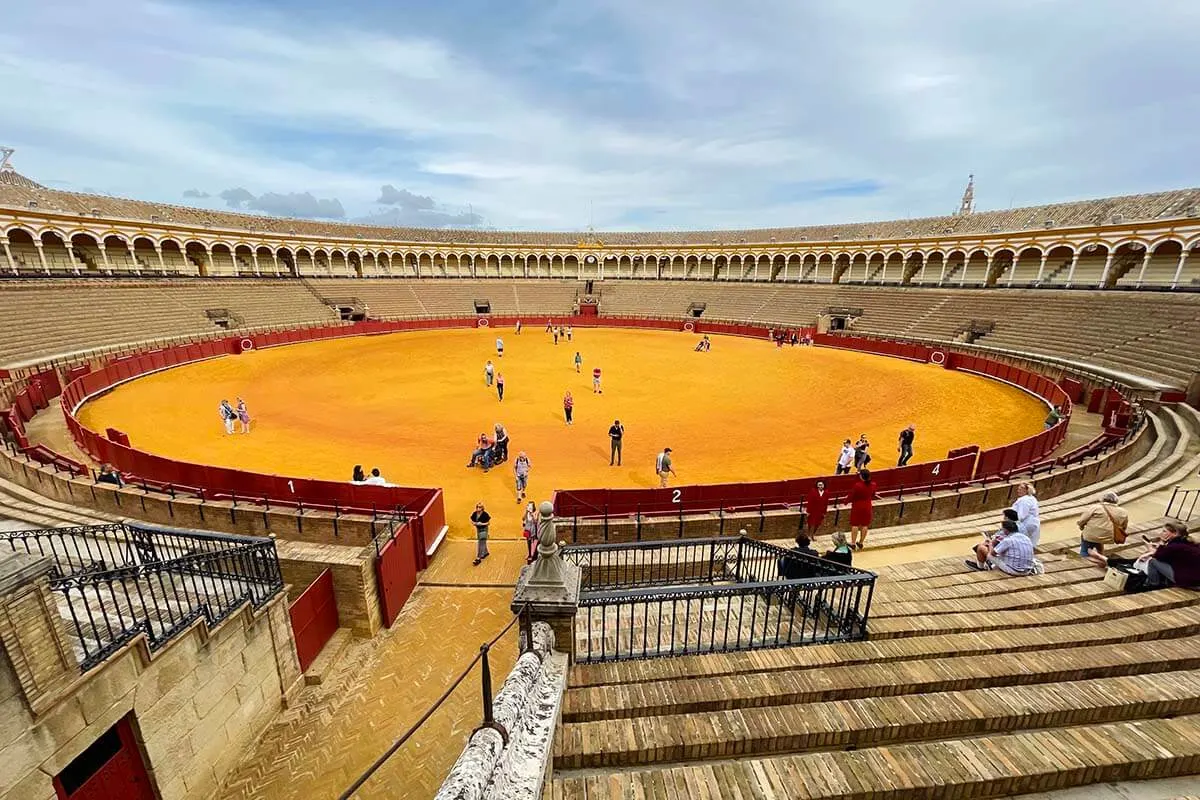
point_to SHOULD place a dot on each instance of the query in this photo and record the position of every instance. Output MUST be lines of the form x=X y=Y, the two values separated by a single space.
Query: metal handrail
x=121 y=581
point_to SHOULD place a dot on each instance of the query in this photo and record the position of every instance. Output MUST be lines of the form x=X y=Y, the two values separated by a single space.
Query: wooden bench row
x=986 y=766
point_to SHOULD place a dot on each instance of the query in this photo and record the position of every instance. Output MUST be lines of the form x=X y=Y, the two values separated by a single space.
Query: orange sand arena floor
x=413 y=404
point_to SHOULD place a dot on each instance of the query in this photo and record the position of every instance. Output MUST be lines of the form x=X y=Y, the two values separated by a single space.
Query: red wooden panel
x=314 y=618
x=395 y=575
x=123 y=775
x=24 y=405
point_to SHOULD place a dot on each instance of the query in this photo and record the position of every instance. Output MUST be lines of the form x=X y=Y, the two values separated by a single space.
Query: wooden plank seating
x=856 y=723
x=986 y=766
x=1042 y=598
x=1164 y=624
x=945 y=674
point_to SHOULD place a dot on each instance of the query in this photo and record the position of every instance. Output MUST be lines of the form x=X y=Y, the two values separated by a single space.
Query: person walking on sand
x=578 y=361
x=228 y=415
x=569 y=333
x=845 y=459
x=905 y=446
x=518 y=327
x=499 y=347
x=489 y=373
x=500 y=386
x=521 y=468
x=556 y=335
x=243 y=415
x=616 y=433
x=596 y=381
x=568 y=407
x=662 y=465
x=480 y=518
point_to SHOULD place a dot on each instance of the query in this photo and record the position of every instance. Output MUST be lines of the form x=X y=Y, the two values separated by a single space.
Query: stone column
x=550 y=586
x=42 y=256
x=1071 y=269
x=162 y=265
x=70 y=258
x=137 y=270
x=1142 y=271
x=1183 y=257
x=1107 y=266
x=104 y=258
x=1042 y=267
x=12 y=265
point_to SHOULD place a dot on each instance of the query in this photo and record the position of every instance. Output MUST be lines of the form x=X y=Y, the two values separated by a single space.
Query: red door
x=110 y=768
x=396 y=574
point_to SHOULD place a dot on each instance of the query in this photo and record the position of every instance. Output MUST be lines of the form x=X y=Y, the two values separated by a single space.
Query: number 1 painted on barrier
x=291 y=487
x=675 y=495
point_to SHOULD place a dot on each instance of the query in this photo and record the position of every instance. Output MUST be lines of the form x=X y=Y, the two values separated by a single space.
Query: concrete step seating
x=939 y=675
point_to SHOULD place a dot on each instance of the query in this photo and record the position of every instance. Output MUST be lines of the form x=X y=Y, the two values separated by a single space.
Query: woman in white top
x=1026 y=506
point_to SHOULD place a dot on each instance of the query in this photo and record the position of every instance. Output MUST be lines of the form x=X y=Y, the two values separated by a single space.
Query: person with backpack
x=662 y=466
x=1102 y=524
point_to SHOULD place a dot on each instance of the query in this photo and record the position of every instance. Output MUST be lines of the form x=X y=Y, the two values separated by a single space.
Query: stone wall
x=354 y=584
x=197 y=704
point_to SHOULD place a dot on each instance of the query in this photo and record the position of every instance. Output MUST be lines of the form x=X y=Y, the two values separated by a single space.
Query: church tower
x=968 y=199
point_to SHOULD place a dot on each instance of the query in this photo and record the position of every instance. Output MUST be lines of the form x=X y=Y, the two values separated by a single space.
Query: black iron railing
x=119 y=581
x=648 y=599
x=1184 y=504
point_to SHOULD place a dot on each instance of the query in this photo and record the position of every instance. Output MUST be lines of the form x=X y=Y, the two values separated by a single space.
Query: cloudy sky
x=624 y=114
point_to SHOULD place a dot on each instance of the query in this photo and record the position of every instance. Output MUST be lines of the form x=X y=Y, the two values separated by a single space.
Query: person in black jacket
x=480 y=518
x=615 y=433
x=792 y=568
x=109 y=475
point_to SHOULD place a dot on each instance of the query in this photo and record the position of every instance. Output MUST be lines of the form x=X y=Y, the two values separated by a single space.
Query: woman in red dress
x=816 y=502
x=860 y=497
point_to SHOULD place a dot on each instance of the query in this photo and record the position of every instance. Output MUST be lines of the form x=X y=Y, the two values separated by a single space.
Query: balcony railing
x=115 y=582
x=649 y=599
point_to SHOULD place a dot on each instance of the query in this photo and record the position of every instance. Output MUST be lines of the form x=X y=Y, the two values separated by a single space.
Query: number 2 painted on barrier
x=675 y=495
x=291 y=487
x=936 y=469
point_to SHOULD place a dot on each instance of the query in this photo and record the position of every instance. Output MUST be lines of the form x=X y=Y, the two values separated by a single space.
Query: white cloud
x=678 y=113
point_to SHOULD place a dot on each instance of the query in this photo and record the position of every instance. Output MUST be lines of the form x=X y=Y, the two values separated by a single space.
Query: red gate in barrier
x=314 y=618
x=395 y=571
x=110 y=767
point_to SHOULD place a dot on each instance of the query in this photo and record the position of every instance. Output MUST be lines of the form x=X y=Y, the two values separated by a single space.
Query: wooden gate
x=395 y=569
x=314 y=618
x=110 y=767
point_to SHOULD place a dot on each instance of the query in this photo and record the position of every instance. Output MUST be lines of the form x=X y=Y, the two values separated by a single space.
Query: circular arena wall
x=414 y=403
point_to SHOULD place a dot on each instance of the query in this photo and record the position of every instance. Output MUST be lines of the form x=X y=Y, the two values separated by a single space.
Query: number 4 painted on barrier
x=675 y=495
x=936 y=469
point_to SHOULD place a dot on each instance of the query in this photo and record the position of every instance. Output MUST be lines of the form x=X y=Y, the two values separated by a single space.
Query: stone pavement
x=382 y=686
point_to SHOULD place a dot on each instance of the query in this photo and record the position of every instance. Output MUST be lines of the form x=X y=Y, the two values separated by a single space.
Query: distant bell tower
x=5 y=155
x=968 y=198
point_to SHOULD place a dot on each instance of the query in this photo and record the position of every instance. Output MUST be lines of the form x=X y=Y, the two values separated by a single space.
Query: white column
x=1142 y=271
x=104 y=258
x=987 y=268
x=945 y=263
x=137 y=270
x=70 y=258
x=42 y=257
x=12 y=265
x=1042 y=267
x=962 y=276
x=1012 y=270
x=1107 y=266
x=254 y=258
x=1183 y=257
x=1071 y=271
x=162 y=265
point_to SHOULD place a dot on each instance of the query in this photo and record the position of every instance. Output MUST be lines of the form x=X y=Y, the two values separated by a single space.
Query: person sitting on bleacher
x=1172 y=560
x=792 y=568
x=841 y=552
x=1009 y=551
x=109 y=475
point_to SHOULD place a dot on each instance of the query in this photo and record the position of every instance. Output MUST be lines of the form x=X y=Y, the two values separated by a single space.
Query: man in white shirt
x=376 y=479
x=1029 y=521
x=845 y=459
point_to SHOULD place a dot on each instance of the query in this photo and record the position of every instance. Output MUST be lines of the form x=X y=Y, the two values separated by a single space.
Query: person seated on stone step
x=841 y=552
x=1011 y=553
x=1171 y=560
x=793 y=568
x=109 y=475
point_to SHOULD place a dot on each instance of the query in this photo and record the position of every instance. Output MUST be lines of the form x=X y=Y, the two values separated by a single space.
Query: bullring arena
x=236 y=618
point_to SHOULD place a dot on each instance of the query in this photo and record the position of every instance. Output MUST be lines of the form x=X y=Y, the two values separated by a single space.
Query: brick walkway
x=381 y=686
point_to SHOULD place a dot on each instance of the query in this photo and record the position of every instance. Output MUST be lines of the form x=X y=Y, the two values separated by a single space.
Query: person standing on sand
x=499 y=347
x=521 y=468
x=662 y=465
x=500 y=386
x=518 y=327
x=905 y=447
x=489 y=373
x=480 y=518
x=615 y=434
x=578 y=361
x=568 y=407
x=243 y=415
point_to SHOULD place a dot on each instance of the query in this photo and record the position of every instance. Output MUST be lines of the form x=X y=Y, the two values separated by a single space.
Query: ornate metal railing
x=119 y=581
x=649 y=599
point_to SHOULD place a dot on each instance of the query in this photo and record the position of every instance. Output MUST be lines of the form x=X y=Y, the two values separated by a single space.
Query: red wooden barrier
x=314 y=618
